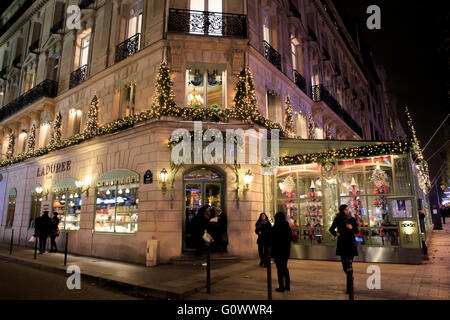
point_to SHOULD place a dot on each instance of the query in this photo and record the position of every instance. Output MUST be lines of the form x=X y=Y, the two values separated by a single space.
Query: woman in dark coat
x=262 y=229
x=346 y=244
x=199 y=225
x=54 y=232
x=281 y=237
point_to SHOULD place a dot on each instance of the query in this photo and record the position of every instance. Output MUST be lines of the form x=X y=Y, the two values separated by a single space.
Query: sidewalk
x=310 y=280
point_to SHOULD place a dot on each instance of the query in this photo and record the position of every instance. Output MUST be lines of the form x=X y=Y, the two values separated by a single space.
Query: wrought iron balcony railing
x=300 y=81
x=127 y=48
x=311 y=34
x=320 y=93
x=57 y=27
x=3 y=73
x=85 y=4
x=207 y=23
x=272 y=55
x=47 y=88
x=34 y=46
x=17 y=60
x=78 y=76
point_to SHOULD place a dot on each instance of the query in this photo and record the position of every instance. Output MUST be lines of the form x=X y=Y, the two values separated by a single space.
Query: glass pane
x=203 y=174
x=214 y=89
x=59 y=205
x=196 y=97
x=378 y=212
x=386 y=237
x=351 y=178
x=357 y=208
x=212 y=194
x=105 y=209
x=379 y=179
x=72 y=218
x=193 y=200
x=35 y=210
x=402 y=176
x=127 y=208
x=132 y=26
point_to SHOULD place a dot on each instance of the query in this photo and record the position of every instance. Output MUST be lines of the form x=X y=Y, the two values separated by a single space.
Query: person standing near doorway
x=42 y=230
x=346 y=243
x=281 y=237
x=54 y=232
x=263 y=227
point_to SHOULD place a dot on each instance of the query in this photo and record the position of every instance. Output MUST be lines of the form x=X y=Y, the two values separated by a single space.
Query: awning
x=117 y=176
x=65 y=184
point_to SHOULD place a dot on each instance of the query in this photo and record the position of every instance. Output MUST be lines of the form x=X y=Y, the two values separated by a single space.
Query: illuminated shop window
x=205 y=86
x=36 y=202
x=12 y=195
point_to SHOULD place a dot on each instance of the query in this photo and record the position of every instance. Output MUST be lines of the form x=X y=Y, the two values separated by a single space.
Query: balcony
x=17 y=60
x=300 y=81
x=34 y=46
x=320 y=93
x=272 y=55
x=56 y=27
x=3 y=73
x=207 y=23
x=85 y=4
x=47 y=88
x=127 y=48
x=78 y=76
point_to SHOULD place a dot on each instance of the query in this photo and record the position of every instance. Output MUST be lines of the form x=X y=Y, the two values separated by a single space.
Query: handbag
x=207 y=238
x=32 y=239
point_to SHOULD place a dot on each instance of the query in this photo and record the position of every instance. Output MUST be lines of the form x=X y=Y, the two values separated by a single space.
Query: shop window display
x=68 y=206
x=117 y=209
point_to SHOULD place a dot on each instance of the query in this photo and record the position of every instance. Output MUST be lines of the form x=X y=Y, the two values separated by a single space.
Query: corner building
x=107 y=190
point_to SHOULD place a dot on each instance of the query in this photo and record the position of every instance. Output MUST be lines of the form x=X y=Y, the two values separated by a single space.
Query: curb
x=126 y=288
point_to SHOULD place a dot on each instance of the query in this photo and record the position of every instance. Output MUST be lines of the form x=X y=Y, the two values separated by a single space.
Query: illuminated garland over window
x=288 y=119
x=56 y=136
x=397 y=147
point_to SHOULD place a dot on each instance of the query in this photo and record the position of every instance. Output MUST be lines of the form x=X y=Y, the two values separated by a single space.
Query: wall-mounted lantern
x=248 y=177
x=163 y=177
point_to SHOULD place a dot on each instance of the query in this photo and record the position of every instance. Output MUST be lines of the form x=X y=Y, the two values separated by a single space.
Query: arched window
x=67 y=203
x=12 y=195
x=35 y=210
x=116 y=205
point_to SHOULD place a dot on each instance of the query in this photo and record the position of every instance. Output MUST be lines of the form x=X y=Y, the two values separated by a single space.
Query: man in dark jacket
x=42 y=227
x=346 y=243
x=281 y=237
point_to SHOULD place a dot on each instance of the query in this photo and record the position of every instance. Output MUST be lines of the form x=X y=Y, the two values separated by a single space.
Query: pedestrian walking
x=281 y=237
x=54 y=232
x=443 y=211
x=42 y=229
x=346 y=243
x=221 y=234
x=263 y=227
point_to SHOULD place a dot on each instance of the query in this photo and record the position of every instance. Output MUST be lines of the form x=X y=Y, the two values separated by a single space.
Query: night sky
x=407 y=46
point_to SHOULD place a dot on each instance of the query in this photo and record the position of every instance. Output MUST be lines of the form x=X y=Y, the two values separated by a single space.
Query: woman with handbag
x=54 y=232
x=346 y=243
x=262 y=229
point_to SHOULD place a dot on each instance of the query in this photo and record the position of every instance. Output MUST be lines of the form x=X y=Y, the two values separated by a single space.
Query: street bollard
x=208 y=271
x=65 y=249
x=11 y=245
x=35 y=246
x=269 y=279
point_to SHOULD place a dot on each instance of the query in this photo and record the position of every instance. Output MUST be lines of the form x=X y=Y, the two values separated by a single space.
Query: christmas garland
x=397 y=147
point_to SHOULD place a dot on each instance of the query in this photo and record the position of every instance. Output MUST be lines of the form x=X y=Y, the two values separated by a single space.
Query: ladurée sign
x=54 y=168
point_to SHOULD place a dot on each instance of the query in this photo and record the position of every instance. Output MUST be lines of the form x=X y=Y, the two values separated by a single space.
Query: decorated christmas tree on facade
x=32 y=138
x=56 y=135
x=163 y=102
x=10 y=150
x=416 y=151
x=311 y=128
x=288 y=119
x=92 y=122
x=244 y=102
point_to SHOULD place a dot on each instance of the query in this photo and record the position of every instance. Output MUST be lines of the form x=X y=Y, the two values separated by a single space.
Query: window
x=314 y=75
x=266 y=27
x=294 y=53
x=127 y=100
x=35 y=210
x=117 y=208
x=74 y=121
x=12 y=195
x=205 y=86
x=53 y=68
x=44 y=134
x=68 y=206
x=29 y=81
x=319 y=133
x=134 y=21
x=22 y=142
x=302 y=131
x=84 y=50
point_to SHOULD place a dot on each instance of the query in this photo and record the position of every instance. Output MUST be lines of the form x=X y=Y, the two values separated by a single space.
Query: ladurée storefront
x=115 y=192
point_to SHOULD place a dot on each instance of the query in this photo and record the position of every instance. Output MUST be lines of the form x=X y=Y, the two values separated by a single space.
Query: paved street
x=19 y=281
x=311 y=280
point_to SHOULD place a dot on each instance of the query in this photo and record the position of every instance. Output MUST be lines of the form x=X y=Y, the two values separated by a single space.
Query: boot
x=287 y=280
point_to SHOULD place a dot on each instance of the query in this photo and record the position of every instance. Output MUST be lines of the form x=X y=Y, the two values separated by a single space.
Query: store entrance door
x=201 y=186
